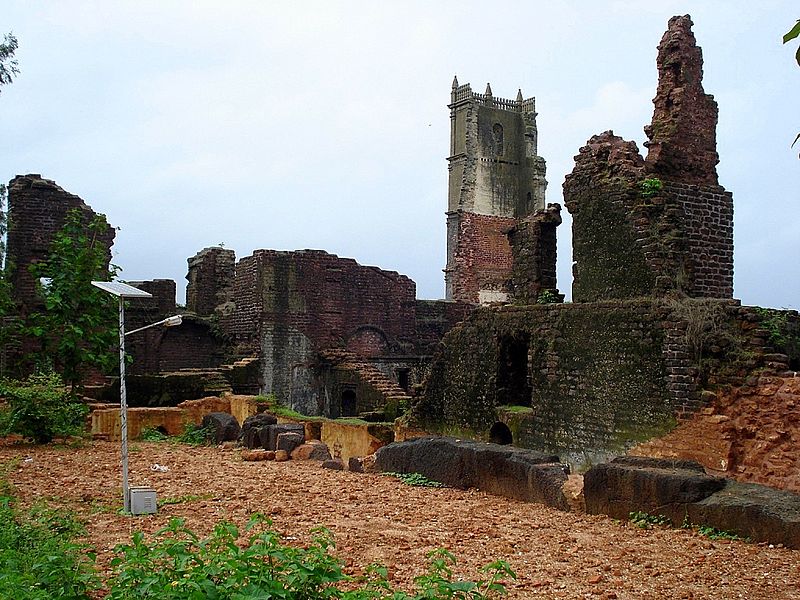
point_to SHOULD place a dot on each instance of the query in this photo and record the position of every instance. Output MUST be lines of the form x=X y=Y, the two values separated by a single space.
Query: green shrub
x=153 y=434
x=41 y=408
x=650 y=187
x=178 y=564
x=39 y=558
x=646 y=520
x=195 y=435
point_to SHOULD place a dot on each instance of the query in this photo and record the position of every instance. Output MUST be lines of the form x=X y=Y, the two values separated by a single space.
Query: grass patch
x=183 y=499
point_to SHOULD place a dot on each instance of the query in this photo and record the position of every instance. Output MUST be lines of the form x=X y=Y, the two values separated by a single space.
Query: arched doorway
x=500 y=434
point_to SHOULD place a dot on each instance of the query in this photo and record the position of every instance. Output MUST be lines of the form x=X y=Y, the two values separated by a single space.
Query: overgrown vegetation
x=415 y=479
x=39 y=557
x=177 y=564
x=548 y=297
x=41 y=408
x=78 y=327
x=195 y=435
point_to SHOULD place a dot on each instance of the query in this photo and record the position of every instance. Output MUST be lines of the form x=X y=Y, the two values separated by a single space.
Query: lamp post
x=122 y=291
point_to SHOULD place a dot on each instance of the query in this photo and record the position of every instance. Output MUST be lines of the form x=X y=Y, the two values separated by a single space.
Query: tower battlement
x=464 y=93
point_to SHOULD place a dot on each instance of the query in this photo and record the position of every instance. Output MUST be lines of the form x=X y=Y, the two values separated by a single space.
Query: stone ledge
x=502 y=470
x=680 y=490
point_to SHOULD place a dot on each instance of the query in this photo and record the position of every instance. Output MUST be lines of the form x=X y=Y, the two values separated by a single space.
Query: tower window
x=497 y=134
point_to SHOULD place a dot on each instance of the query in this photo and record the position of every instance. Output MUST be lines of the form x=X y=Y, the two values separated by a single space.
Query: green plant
x=40 y=408
x=547 y=297
x=775 y=323
x=788 y=37
x=646 y=520
x=9 y=68
x=415 y=479
x=78 y=327
x=153 y=434
x=39 y=558
x=650 y=187
x=717 y=534
x=195 y=435
x=177 y=564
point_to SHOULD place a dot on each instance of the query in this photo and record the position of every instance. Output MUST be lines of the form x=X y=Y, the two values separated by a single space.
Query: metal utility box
x=142 y=500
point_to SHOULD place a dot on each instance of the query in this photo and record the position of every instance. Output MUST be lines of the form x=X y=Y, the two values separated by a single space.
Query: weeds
x=195 y=435
x=153 y=434
x=645 y=520
x=415 y=479
x=183 y=499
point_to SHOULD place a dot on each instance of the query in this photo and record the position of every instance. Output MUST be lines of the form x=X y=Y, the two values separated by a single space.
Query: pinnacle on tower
x=488 y=90
x=455 y=81
x=519 y=95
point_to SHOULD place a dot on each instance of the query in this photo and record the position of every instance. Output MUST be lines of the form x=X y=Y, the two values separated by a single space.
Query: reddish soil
x=750 y=434
x=374 y=517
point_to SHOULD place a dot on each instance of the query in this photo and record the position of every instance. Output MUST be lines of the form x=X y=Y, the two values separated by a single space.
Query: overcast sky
x=324 y=125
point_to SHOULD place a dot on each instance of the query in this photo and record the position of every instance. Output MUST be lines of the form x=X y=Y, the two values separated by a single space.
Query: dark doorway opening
x=513 y=375
x=403 y=378
x=500 y=434
x=349 y=403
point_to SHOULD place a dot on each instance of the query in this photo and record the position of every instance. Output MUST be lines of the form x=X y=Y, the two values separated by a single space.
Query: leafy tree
x=790 y=35
x=8 y=64
x=78 y=328
x=10 y=323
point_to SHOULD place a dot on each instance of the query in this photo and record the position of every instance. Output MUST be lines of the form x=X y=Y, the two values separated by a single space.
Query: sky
x=324 y=125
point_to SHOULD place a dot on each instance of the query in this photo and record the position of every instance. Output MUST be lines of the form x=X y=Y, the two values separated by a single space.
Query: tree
x=78 y=328
x=8 y=65
x=790 y=35
x=10 y=323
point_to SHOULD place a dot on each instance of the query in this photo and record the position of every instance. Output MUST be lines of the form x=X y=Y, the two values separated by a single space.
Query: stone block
x=311 y=450
x=656 y=486
x=257 y=455
x=273 y=431
x=503 y=470
x=281 y=455
x=335 y=464
x=224 y=426
x=289 y=441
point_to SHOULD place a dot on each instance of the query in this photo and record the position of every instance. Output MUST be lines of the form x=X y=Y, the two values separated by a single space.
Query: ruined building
x=495 y=178
x=649 y=227
x=653 y=324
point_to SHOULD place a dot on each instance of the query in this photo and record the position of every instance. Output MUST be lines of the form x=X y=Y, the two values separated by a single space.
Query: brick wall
x=37 y=208
x=533 y=248
x=588 y=381
x=210 y=276
x=482 y=258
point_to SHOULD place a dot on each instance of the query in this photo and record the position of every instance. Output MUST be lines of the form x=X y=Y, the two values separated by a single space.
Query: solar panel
x=121 y=290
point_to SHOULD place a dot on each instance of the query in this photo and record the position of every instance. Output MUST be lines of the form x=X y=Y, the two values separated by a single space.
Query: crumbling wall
x=533 y=248
x=660 y=225
x=210 y=276
x=37 y=209
x=290 y=305
x=587 y=381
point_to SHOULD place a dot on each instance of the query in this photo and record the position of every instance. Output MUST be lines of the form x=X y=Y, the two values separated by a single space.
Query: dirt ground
x=378 y=518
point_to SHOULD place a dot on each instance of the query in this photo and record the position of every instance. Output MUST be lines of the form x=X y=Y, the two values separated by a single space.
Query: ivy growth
x=650 y=187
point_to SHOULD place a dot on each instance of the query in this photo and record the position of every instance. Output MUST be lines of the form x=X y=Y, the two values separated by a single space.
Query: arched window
x=500 y=434
x=497 y=134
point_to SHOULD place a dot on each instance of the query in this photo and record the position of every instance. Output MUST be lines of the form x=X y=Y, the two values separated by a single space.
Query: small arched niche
x=501 y=434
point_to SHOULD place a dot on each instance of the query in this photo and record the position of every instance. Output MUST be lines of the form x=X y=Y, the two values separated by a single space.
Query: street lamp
x=122 y=291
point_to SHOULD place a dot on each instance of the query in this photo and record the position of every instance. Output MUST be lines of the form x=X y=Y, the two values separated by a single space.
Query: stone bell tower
x=495 y=178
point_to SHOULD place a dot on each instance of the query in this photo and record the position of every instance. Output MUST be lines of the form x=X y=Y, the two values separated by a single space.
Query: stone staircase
x=217 y=380
x=367 y=373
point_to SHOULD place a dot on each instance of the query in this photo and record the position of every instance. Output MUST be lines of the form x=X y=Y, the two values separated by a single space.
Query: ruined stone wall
x=533 y=248
x=291 y=304
x=484 y=259
x=660 y=225
x=210 y=276
x=587 y=381
x=37 y=209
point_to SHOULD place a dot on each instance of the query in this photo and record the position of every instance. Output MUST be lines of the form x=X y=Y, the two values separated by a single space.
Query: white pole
x=123 y=408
